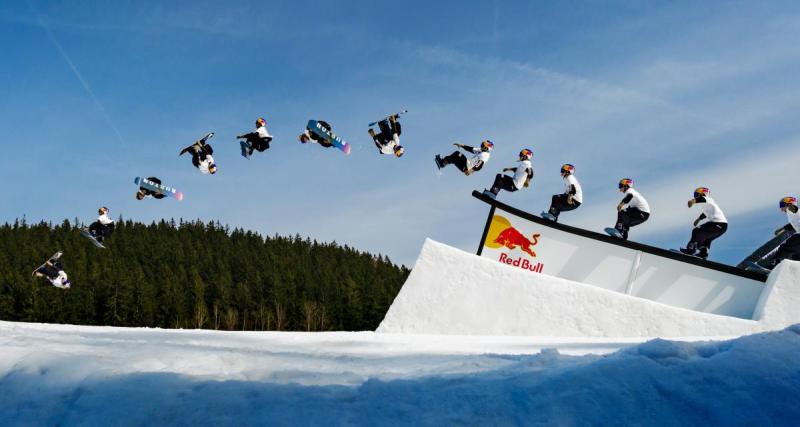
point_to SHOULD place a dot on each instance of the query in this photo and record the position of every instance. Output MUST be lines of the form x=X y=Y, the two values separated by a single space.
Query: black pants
x=259 y=143
x=503 y=182
x=457 y=159
x=703 y=235
x=790 y=249
x=100 y=231
x=628 y=218
x=51 y=271
x=559 y=204
x=199 y=153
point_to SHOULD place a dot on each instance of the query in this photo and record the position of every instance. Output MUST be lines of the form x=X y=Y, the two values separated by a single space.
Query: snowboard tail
x=89 y=236
x=387 y=117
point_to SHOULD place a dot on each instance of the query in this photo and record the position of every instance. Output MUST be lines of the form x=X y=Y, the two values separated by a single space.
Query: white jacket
x=637 y=201
x=262 y=132
x=104 y=219
x=569 y=181
x=479 y=157
x=794 y=219
x=205 y=164
x=521 y=174
x=712 y=211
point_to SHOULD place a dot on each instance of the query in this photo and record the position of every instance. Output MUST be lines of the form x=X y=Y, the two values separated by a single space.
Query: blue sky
x=673 y=94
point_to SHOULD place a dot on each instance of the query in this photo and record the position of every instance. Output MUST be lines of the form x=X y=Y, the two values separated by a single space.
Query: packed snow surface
x=453 y=292
x=78 y=375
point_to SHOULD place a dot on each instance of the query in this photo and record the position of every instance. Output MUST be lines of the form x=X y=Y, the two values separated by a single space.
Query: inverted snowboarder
x=320 y=132
x=258 y=140
x=201 y=155
x=146 y=192
x=523 y=174
x=388 y=140
x=102 y=228
x=631 y=211
x=53 y=271
x=570 y=199
x=465 y=165
x=714 y=224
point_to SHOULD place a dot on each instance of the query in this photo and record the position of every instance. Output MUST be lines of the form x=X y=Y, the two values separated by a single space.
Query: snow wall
x=450 y=291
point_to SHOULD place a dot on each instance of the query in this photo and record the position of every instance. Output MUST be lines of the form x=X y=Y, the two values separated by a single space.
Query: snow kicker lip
x=724 y=268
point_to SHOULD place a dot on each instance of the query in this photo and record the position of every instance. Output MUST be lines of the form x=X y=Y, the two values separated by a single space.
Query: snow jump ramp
x=538 y=278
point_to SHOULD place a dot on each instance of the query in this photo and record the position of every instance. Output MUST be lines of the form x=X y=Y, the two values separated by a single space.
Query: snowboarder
x=388 y=140
x=714 y=226
x=308 y=135
x=790 y=249
x=54 y=272
x=103 y=227
x=570 y=199
x=471 y=165
x=631 y=211
x=201 y=156
x=144 y=192
x=521 y=179
x=258 y=140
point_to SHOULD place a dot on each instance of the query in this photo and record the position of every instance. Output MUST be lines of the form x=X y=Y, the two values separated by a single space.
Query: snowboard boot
x=702 y=253
x=439 y=162
x=488 y=193
x=549 y=216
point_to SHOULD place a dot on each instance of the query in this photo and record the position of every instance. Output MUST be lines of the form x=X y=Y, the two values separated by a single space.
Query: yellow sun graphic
x=497 y=226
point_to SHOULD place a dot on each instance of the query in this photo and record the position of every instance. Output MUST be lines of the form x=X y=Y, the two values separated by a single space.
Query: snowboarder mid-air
x=388 y=140
x=714 y=226
x=144 y=192
x=631 y=211
x=521 y=179
x=311 y=136
x=103 y=227
x=201 y=155
x=258 y=140
x=54 y=272
x=471 y=165
x=790 y=249
x=570 y=199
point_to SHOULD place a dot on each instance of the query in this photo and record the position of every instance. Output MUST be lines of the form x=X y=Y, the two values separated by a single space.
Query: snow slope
x=450 y=291
x=73 y=375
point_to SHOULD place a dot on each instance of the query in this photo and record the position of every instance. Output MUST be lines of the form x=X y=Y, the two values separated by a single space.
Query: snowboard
x=548 y=216
x=678 y=251
x=613 y=232
x=438 y=160
x=387 y=117
x=245 y=149
x=766 y=251
x=752 y=266
x=332 y=138
x=85 y=233
x=158 y=188
x=200 y=141
x=55 y=256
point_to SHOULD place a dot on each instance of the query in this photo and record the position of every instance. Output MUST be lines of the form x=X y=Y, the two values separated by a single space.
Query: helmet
x=260 y=121
x=567 y=169
x=487 y=145
x=625 y=182
x=67 y=283
x=399 y=150
x=212 y=168
x=140 y=195
x=788 y=200
x=525 y=154
x=103 y=210
x=701 y=192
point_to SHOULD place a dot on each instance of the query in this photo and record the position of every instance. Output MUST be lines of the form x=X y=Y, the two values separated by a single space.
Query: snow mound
x=453 y=292
x=71 y=375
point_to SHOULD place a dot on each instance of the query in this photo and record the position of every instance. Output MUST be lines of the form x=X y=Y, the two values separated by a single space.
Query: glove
x=239 y=136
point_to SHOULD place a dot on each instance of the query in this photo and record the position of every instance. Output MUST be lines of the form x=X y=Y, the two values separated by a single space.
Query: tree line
x=193 y=274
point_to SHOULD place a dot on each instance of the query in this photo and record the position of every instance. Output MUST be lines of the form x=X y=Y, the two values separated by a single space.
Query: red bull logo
x=511 y=238
x=504 y=235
